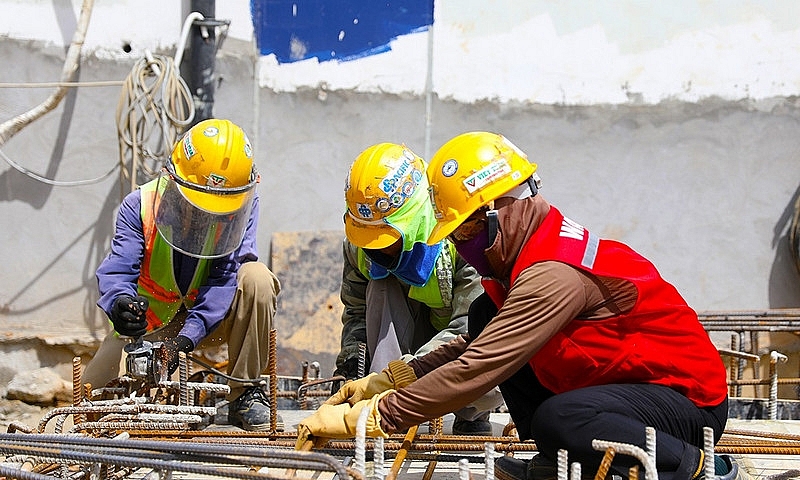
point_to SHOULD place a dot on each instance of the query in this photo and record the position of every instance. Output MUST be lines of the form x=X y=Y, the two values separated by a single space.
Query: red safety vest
x=659 y=341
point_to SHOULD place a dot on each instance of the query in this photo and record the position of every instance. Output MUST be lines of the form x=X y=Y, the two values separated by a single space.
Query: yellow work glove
x=397 y=375
x=340 y=421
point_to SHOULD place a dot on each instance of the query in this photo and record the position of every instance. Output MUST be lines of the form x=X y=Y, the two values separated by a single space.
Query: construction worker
x=183 y=267
x=584 y=337
x=402 y=298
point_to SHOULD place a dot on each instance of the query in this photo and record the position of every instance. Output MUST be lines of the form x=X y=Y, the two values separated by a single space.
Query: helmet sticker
x=382 y=205
x=364 y=211
x=211 y=131
x=397 y=199
x=248 y=150
x=450 y=168
x=390 y=181
x=408 y=188
x=188 y=147
x=487 y=175
x=215 y=180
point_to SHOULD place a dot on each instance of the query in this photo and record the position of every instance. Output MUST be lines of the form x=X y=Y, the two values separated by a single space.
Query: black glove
x=173 y=346
x=348 y=369
x=128 y=315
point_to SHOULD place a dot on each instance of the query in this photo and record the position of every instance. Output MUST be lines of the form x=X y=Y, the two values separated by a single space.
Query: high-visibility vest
x=437 y=292
x=157 y=277
x=659 y=341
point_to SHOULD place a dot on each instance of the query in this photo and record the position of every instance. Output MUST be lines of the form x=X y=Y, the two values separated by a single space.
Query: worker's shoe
x=537 y=468
x=481 y=426
x=510 y=468
x=725 y=468
x=251 y=411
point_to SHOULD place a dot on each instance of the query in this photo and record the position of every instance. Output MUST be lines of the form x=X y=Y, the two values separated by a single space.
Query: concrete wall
x=703 y=182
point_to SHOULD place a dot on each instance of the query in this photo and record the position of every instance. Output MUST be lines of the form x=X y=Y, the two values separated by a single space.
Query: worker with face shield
x=402 y=297
x=183 y=267
x=582 y=335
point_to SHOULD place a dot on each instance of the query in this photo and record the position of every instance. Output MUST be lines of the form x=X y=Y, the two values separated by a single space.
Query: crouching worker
x=183 y=267
x=583 y=336
x=402 y=297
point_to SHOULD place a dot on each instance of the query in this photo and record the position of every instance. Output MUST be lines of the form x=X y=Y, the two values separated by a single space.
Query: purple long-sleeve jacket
x=118 y=273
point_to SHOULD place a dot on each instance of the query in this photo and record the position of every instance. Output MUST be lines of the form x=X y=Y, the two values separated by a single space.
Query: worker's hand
x=128 y=315
x=397 y=375
x=173 y=346
x=340 y=421
x=347 y=369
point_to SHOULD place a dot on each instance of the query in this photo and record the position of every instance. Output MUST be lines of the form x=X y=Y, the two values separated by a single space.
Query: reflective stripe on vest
x=659 y=341
x=436 y=293
x=157 y=278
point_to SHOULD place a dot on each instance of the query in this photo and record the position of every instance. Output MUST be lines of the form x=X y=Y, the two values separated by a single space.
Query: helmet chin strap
x=492 y=225
x=529 y=188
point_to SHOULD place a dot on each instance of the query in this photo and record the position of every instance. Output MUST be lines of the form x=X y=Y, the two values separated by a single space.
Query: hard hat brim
x=215 y=203
x=373 y=237
x=440 y=232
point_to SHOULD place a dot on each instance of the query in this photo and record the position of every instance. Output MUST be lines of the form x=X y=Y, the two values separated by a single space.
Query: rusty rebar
x=401 y=454
x=272 y=366
x=77 y=390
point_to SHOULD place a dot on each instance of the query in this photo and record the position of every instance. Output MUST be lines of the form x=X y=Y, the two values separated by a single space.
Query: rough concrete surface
x=706 y=190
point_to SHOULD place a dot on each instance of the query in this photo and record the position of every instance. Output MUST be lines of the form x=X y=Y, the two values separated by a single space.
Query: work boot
x=481 y=426
x=251 y=411
x=725 y=468
x=510 y=468
x=537 y=468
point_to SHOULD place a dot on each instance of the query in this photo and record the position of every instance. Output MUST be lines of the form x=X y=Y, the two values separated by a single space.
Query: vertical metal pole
x=203 y=47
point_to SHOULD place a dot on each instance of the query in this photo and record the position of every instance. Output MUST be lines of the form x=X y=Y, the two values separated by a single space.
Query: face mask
x=472 y=251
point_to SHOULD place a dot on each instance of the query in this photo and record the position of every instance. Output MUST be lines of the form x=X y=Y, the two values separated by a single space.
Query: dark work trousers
x=617 y=413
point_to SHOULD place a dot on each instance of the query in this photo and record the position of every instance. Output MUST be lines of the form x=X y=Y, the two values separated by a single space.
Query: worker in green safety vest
x=402 y=298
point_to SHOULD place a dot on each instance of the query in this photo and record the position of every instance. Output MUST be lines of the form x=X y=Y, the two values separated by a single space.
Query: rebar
x=272 y=366
x=708 y=451
x=168 y=456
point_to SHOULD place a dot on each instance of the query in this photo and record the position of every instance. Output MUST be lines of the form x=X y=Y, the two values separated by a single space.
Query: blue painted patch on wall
x=341 y=30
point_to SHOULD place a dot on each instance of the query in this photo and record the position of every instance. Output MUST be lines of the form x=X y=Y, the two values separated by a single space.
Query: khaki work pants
x=245 y=329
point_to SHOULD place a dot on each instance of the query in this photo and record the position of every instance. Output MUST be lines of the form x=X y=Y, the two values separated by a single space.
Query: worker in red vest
x=583 y=336
x=183 y=267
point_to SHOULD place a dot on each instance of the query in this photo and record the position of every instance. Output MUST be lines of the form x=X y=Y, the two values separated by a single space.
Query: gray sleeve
x=353 y=295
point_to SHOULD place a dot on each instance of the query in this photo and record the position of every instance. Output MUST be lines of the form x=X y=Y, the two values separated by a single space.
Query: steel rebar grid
x=187 y=457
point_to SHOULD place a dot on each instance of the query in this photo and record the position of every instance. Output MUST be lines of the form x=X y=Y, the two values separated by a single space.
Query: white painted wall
x=577 y=52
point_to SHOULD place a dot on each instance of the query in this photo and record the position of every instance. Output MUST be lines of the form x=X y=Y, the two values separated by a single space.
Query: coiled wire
x=155 y=106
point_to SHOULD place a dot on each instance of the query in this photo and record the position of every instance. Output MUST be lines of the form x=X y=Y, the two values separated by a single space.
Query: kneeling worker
x=183 y=267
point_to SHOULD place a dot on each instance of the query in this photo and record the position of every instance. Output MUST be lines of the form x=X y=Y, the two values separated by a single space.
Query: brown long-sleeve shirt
x=545 y=297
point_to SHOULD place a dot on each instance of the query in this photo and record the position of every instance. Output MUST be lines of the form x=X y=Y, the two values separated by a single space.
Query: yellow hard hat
x=468 y=172
x=213 y=163
x=380 y=181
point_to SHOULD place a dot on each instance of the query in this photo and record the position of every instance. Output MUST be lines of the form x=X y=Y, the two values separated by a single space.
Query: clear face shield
x=202 y=221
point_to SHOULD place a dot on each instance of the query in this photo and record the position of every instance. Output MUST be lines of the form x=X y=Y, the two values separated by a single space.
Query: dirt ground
x=15 y=411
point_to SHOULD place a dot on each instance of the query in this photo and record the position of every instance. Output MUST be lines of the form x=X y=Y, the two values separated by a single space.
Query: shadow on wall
x=784 y=279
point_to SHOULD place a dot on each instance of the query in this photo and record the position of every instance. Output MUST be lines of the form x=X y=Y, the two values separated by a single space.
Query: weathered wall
x=704 y=189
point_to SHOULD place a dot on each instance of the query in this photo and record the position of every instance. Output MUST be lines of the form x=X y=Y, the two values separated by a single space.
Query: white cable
x=56 y=183
x=190 y=19
x=155 y=105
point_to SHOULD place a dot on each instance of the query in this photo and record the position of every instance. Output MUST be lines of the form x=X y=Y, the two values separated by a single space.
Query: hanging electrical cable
x=155 y=105
x=10 y=128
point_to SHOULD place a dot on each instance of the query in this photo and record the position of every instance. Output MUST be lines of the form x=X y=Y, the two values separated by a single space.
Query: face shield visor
x=199 y=220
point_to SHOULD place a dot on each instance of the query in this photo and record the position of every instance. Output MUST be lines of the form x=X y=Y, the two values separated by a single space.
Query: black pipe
x=203 y=47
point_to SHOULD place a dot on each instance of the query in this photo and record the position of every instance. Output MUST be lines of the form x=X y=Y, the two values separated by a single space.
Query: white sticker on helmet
x=487 y=175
